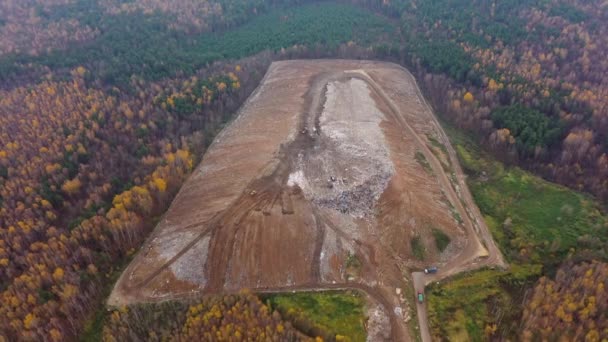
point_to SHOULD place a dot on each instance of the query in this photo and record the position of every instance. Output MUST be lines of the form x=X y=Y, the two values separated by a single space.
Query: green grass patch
x=461 y=308
x=325 y=314
x=532 y=220
x=442 y=240
x=437 y=144
x=353 y=266
x=417 y=248
x=352 y=261
x=457 y=217
x=441 y=152
x=93 y=330
x=421 y=159
x=537 y=225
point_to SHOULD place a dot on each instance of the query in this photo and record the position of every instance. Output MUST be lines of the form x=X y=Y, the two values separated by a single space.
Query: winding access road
x=468 y=259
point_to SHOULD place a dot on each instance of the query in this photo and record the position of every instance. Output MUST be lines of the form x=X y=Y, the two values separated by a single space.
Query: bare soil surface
x=321 y=182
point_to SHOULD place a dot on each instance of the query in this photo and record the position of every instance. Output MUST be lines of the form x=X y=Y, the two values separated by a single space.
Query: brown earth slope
x=329 y=171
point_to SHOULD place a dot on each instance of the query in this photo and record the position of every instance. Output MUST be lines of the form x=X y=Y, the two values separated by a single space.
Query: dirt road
x=318 y=169
x=467 y=260
x=476 y=254
x=423 y=324
x=495 y=256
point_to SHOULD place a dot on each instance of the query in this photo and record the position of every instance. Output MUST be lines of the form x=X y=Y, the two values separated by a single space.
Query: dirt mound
x=325 y=178
x=349 y=166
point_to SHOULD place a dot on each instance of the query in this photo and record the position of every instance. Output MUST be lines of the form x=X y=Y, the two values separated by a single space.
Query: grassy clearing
x=327 y=314
x=537 y=225
x=532 y=220
x=442 y=240
x=469 y=306
x=417 y=248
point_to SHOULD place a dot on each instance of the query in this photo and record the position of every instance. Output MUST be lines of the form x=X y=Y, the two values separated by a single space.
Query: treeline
x=546 y=56
x=24 y=28
x=85 y=172
x=88 y=162
x=37 y=27
x=521 y=60
x=241 y=317
x=571 y=307
x=144 y=45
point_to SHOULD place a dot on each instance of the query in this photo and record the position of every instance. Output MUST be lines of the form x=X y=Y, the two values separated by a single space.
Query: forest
x=106 y=106
x=229 y=317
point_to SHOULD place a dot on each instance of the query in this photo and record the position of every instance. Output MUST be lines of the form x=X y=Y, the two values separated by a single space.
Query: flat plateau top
x=334 y=174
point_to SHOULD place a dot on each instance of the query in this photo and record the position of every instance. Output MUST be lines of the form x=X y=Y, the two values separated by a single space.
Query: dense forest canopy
x=105 y=106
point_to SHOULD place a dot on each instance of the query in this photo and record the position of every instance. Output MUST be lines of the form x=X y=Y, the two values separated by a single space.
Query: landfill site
x=334 y=174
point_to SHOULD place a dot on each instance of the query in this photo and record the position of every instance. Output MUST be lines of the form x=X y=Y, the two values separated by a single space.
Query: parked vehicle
x=430 y=270
x=420 y=297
